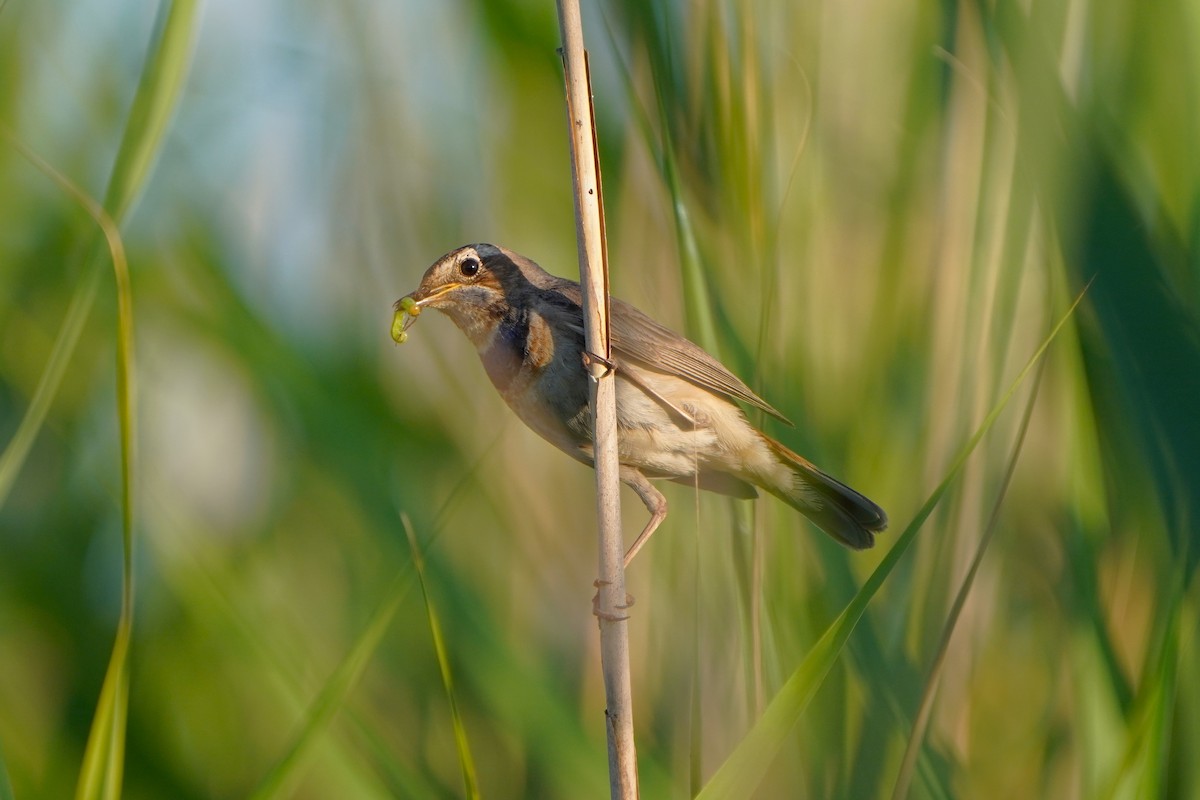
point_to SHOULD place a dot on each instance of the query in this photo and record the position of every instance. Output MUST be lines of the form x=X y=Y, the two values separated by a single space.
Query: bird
x=677 y=407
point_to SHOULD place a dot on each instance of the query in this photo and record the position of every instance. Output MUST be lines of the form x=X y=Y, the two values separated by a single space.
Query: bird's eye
x=470 y=266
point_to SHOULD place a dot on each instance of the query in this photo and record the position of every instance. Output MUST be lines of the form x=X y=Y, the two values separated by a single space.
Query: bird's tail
x=835 y=508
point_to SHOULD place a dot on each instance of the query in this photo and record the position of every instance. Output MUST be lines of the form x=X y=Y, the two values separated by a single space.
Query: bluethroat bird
x=677 y=412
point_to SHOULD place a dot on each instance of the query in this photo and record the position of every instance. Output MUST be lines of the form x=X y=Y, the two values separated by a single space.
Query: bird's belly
x=680 y=430
x=666 y=452
x=547 y=420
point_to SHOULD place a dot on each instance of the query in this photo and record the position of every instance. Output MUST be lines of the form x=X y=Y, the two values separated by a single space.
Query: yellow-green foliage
x=875 y=213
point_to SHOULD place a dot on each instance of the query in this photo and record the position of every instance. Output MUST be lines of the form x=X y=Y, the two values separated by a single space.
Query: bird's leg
x=656 y=504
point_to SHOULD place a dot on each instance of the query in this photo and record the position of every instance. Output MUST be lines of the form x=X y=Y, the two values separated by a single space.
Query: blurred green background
x=874 y=212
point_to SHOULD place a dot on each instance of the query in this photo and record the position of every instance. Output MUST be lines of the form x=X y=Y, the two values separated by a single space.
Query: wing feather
x=637 y=337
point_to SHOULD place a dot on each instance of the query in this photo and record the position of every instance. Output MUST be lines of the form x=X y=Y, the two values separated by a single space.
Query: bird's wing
x=636 y=336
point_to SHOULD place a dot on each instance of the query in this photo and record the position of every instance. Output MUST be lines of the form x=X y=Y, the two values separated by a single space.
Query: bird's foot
x=629 y=601
x=590 y=359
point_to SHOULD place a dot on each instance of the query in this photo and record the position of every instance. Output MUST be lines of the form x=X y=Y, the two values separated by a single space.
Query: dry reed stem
x=593 y=278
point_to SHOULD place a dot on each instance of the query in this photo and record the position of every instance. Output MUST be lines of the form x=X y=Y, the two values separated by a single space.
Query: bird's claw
x=605 y=615
x=591 y=358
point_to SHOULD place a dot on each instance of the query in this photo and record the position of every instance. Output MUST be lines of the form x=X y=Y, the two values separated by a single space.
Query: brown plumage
x=677 y=416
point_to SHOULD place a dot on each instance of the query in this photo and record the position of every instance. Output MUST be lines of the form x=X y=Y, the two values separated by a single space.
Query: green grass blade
x=162 y=78
x=153 y=105
x=701 y=323
x=115 y=769
x=104 y=755
x=333 y=694
x=925 y=708
x=1143 y=768
x=697 y=300
x=106 y=742
x=105 y=751
x=157 y=94
x=14 y=455
x=747 y=764
x=470 y=781
x=81 y=302
x=6 y=790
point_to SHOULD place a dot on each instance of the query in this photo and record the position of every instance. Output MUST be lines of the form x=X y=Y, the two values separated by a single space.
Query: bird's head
x=471 y=285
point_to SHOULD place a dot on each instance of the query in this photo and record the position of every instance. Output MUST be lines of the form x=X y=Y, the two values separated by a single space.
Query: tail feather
x=837 y=509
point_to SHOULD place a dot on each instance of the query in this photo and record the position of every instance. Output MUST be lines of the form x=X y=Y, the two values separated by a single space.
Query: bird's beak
x=408 y=308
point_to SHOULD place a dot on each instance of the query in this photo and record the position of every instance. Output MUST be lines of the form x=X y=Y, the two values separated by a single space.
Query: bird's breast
x=538 y=378
x=519 y=348
x=503 y=364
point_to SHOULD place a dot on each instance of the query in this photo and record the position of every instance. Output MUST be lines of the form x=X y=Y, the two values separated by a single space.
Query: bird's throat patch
x=521 y=346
